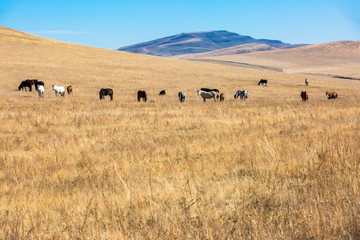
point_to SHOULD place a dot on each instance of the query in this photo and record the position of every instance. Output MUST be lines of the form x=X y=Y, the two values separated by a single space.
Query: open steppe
x=269 y=167
x=328 y=59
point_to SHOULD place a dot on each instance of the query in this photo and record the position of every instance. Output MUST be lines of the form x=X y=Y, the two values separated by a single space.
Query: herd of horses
x=40 y=87
x=205 y=93
x=305 y=96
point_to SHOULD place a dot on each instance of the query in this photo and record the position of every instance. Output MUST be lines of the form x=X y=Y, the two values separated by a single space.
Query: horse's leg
x=204 y=99
x=111 y=97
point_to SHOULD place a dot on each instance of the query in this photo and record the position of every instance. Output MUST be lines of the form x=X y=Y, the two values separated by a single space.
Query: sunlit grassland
x=263 y=168
x=269 y=167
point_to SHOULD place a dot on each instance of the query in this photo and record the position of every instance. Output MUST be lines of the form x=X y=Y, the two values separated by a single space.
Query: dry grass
x=270 y=167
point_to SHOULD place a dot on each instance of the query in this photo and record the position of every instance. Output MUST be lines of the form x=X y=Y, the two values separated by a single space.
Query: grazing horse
x=40 y=89
x=222 y=96
x=25 y=84
x=59 y=90
x=141 y=95
x=162 y=92
x=38 y=83
x=208 y=95
x=332 y=95
x=106 y=91
x=69 y=89
x=182 y=96
x=212 y=90
x=306 y=82
x=241 y=93
x=304 y=96
x=263 y=82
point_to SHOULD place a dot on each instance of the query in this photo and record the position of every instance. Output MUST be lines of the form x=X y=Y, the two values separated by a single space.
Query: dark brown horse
x=141 y=95
x=304 y=96
x=263 y=82
x=25 y=84
x=31 y=81
x=106 y=91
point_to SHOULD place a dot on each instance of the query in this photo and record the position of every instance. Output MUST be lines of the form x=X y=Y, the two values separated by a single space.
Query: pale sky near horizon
x=113 y=24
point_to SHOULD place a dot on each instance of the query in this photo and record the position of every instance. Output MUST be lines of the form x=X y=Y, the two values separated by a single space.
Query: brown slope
x=335 y=58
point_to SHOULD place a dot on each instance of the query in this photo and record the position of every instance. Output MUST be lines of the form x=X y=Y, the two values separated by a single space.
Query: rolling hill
x=200 y=42
x=339 y=59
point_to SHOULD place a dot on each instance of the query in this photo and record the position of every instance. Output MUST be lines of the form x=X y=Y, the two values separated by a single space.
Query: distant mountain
x=198 y=42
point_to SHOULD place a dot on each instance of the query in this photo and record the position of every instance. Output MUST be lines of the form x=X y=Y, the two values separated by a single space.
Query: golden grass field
x=269 y=167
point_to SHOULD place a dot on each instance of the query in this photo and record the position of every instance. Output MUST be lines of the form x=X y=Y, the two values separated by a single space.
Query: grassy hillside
x=334 y=58
x=269 y=167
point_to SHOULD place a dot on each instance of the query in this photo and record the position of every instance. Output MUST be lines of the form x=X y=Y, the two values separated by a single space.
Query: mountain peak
x=197 y=42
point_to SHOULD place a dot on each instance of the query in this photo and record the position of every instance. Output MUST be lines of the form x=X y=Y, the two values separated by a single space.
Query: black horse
x=263 y=82
x=209 y=90
x=106 y=91
x=162 y=92
x=25 y=84
x=38 y=83
x=141 y=94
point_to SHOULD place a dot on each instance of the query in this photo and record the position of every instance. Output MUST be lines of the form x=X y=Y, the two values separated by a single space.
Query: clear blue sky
x=116 y=23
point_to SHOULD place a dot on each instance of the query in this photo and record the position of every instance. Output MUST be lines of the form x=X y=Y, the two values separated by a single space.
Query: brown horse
x=332 y=95
x=69 y=89
x=222 y=96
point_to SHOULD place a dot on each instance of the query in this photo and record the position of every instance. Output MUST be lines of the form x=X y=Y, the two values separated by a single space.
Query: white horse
x=59 y=90
x=40 y=89
x=242 y=93
x=208 y=95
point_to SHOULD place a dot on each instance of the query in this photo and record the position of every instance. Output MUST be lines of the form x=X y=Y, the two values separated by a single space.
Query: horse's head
x=198 y=92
